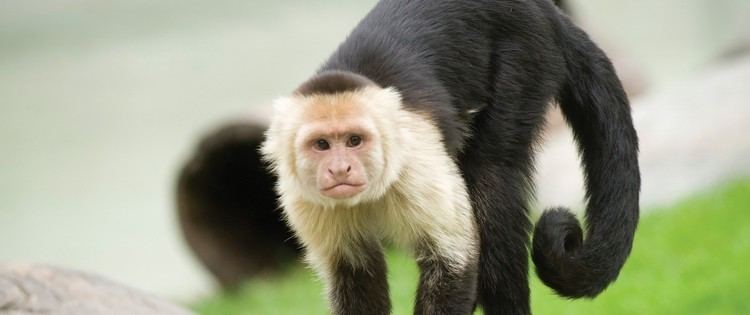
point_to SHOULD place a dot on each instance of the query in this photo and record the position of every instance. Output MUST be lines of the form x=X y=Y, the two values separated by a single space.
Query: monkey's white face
x=339 y=154
x=332 y=149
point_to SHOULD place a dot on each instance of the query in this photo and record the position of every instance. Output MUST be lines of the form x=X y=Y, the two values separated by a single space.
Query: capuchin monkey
x=234 y=228
x=420 y=130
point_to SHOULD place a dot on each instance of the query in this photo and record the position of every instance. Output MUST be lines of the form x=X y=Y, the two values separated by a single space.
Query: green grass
x=692 y=258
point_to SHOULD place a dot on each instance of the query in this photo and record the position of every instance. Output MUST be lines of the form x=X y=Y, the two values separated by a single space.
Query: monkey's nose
x=340 y=170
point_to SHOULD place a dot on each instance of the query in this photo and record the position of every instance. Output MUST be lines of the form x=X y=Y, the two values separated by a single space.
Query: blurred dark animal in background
x=227 y=207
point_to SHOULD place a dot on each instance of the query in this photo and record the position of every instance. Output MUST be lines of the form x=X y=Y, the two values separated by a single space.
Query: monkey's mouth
x=342 y=190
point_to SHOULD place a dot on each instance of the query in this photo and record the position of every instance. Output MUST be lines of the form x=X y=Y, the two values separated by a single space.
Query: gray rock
x=36 y=289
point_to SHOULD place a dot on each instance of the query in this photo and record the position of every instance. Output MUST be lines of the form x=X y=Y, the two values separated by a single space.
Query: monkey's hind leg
x=498 y=169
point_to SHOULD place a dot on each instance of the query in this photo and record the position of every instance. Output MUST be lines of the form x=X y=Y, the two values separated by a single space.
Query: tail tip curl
x=558 y=238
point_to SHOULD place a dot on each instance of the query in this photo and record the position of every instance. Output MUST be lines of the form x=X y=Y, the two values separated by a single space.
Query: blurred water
x=100 y=101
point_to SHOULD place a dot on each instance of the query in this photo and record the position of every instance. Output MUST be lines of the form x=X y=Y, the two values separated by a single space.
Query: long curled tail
x=596 y=107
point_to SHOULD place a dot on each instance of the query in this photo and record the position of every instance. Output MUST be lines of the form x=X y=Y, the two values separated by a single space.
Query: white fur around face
x=416 y=196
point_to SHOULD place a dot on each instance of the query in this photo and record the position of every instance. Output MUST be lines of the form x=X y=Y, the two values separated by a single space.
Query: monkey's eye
x=354 y=141
x=322 y=145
